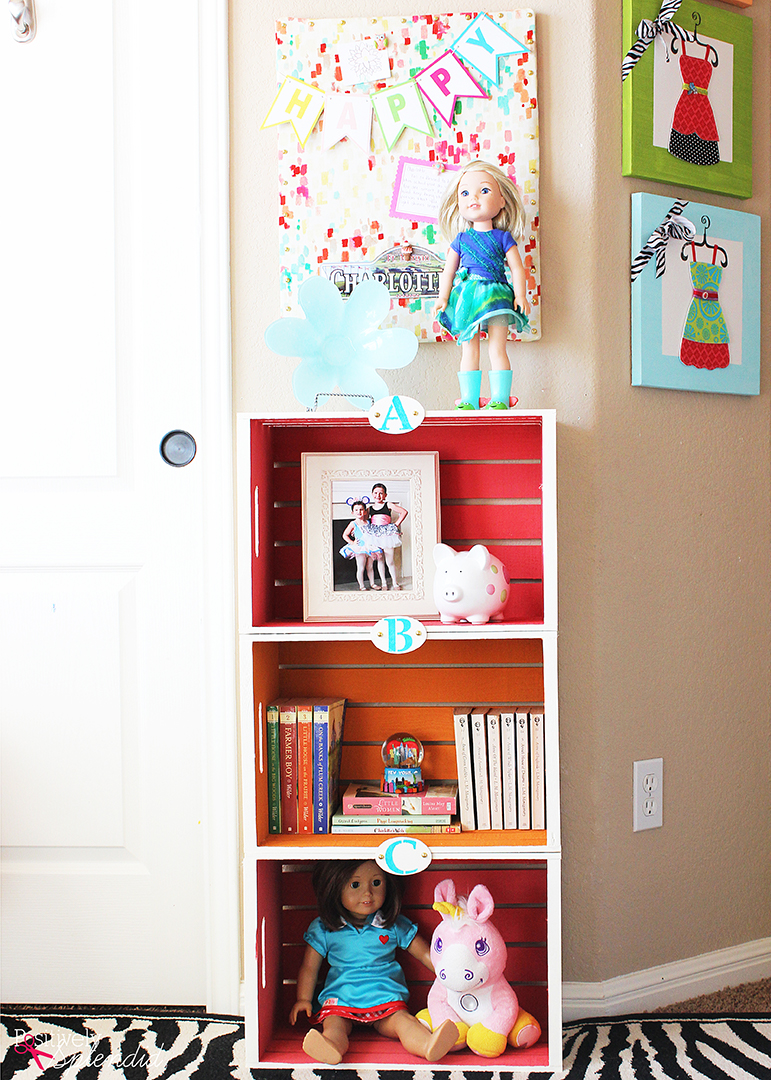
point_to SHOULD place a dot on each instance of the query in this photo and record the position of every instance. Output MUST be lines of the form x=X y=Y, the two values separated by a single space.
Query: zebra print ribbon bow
x=649 y=29
x=673 y=227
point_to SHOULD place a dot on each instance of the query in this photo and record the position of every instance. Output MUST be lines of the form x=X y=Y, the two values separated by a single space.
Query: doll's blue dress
x=365 y=981
x=480 y=288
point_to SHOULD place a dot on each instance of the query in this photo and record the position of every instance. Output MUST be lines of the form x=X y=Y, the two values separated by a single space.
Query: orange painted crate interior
x=413 y=692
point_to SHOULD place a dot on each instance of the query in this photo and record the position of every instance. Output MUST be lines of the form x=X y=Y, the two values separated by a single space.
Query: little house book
x=328 y=721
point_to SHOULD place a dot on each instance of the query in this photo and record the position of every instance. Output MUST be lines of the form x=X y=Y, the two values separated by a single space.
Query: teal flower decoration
x=340 y=342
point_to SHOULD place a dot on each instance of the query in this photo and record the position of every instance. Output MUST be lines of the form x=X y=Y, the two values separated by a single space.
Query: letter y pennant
x=482 y=42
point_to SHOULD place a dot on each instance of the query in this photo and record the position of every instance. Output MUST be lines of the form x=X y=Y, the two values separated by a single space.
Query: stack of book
x=500 y=755
x=367 y=809
x=305 y=738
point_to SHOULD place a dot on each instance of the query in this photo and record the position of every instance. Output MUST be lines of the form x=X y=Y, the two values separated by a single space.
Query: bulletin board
x=373 y=115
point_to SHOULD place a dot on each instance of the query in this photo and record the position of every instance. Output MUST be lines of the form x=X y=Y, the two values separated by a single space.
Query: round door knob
x=178 y=448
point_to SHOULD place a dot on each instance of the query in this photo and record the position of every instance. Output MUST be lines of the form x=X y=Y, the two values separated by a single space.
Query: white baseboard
x=668 y=983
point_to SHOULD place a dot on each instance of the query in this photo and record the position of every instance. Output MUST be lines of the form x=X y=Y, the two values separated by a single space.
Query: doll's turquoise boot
x=470 y=385
x=500 y=389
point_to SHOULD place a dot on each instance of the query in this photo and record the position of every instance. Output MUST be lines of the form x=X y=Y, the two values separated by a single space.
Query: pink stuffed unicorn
x=469 y=957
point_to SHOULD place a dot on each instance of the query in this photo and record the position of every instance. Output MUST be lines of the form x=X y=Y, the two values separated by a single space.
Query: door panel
x=59 y=288
x=117 y=664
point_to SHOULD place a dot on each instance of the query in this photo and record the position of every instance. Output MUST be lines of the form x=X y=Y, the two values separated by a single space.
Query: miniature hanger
x=24 y=19
x=705 y=243
x=710 y=48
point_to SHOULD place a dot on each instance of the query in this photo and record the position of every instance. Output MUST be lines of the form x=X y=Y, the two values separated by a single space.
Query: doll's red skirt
x=359 y=1016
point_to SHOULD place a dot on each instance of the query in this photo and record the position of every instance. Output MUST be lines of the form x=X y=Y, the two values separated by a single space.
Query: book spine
x=274 y=768
x=305 y=768
x=523 y=770
x=433 y=804
x=395 y=804
x=537 y=770
x=354 y=805
x=288 y=726
x=465 y=768
x=396 y=829
x=334 y=757
x=509 y=769
x=494 y=769
x=391 y=819
x=320 y=760
x=479 y=751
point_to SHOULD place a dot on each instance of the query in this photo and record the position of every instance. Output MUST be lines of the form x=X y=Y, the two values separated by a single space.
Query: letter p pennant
x=398 y=107
x=299 y=104
x=444 y=81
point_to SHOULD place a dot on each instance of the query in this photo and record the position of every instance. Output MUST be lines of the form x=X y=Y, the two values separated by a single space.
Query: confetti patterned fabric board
x=339 y=215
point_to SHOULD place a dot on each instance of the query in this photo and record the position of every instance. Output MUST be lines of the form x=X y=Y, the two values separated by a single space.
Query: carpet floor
x=166 y=1043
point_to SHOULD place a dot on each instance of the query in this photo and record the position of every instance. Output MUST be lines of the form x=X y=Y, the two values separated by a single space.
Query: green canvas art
x=688 y=99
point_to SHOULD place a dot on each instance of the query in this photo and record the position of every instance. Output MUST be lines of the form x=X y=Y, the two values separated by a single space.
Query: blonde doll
x=483 y=211
x=358 y=931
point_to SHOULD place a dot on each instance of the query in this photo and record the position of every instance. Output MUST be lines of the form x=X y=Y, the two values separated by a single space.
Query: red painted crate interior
x=413 y=692
x=286 y=906
x=490 y=480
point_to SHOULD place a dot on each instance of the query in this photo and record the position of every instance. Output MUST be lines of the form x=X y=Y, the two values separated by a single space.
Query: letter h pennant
x=297 y=103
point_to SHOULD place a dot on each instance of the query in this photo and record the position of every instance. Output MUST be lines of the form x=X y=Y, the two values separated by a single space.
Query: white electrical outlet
x=648 y=794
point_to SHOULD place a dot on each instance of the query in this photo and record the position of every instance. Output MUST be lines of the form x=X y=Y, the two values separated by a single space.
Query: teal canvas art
x=695 y=296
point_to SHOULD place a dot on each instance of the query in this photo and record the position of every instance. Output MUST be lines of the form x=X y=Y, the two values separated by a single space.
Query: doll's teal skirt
x=474 y=301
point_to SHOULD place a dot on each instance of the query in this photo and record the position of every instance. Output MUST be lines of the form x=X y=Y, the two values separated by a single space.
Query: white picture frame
x=331 y=592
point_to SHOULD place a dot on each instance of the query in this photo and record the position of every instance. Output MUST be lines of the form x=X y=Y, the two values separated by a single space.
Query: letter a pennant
x=299 y=104
x=348 y=115
x=398 y=107
x=482 y=42
x=444 y=81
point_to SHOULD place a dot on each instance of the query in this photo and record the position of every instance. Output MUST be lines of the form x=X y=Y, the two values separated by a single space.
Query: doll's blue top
x=483 y=253
x=363 y=970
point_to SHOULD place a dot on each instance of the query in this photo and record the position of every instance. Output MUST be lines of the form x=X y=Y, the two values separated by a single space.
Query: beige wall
x=664 y=524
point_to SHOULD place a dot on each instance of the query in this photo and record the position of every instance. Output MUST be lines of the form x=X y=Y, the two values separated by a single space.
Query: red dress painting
x=694 y=135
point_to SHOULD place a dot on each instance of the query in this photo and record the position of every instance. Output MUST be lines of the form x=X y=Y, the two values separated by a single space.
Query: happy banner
x=400 y=106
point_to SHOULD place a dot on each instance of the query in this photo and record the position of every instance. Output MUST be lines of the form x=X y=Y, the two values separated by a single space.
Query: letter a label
x=396 y=415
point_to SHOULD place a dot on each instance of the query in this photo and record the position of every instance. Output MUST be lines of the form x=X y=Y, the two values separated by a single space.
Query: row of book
x=304 y=746
x=367 y=809
x=501 y=763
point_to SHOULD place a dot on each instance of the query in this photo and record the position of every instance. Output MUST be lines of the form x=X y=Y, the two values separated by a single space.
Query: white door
x=119 y=824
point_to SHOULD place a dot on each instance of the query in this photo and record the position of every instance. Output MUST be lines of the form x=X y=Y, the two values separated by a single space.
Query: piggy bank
x=471 y=585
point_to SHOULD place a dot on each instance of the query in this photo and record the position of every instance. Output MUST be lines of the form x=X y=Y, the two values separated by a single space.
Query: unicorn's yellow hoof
x=425 y=1018
x=484 y=1042
x=463 y=1030
x=526 y=1031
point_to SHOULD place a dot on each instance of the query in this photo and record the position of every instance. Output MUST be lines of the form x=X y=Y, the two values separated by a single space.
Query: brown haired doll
x=358 y=930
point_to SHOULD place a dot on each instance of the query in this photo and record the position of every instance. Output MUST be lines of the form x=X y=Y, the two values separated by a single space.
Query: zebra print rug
x=100 y=1043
